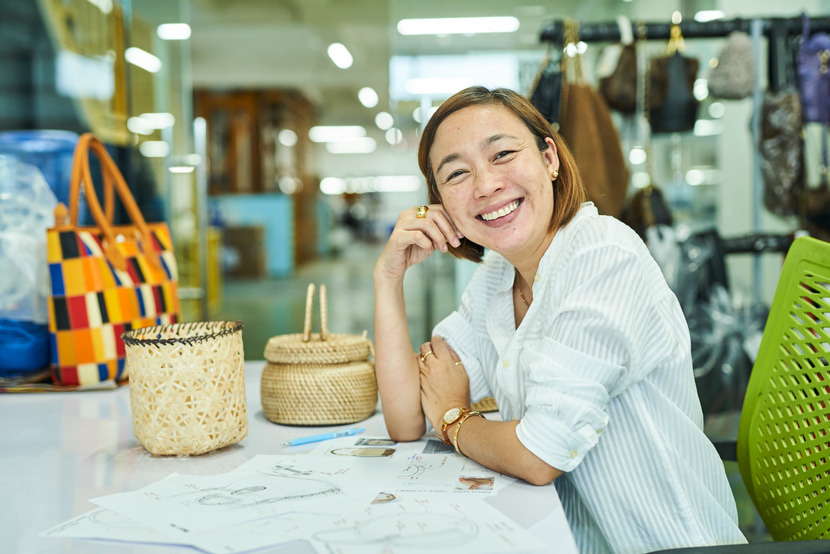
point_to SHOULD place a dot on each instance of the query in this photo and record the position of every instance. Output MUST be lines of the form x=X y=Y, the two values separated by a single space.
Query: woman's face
x=494 y=182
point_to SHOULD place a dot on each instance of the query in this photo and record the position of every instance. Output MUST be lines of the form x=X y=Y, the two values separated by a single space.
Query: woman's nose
x=487 y=182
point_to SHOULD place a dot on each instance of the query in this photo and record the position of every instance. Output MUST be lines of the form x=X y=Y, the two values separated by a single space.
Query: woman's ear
x=551 y=155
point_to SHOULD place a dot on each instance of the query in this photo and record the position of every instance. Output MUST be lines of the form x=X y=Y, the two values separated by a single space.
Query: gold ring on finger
x=425 y=354
x=459 y=362
x=421 y=212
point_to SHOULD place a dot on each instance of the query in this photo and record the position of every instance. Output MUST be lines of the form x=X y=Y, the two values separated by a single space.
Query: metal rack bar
x=554 y=31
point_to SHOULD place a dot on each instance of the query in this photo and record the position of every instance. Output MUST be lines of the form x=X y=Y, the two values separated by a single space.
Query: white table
x=58 y=450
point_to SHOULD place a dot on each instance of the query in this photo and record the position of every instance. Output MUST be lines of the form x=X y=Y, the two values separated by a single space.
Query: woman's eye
x=453 y=175
x=503 y=153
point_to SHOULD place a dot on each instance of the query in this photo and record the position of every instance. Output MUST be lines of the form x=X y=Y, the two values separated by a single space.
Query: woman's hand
x=444 y=381
x=413 y=239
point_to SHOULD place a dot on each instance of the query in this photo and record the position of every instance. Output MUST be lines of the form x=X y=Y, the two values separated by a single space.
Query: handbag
x=781 y=151
x=318 y=378
x=105 y=279
x=619 y=89
x=812 y=71
x=547 y=89
x=672 y=105
x=733 y=78
x=587 y=128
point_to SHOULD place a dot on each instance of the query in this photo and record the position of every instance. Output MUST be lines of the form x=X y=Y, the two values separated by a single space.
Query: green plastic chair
x=784 y=432
x=783 y=446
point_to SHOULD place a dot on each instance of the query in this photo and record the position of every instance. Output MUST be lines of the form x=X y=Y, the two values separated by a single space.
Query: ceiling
x=282 y=44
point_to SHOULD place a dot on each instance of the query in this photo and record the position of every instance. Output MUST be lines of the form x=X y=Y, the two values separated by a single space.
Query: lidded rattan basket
x=187 y=386
x=318 y=379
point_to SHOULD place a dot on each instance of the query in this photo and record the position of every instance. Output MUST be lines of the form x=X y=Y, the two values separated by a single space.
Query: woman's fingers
x=442 y=349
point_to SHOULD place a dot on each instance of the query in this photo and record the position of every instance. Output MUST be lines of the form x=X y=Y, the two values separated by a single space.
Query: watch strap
x=445 y=425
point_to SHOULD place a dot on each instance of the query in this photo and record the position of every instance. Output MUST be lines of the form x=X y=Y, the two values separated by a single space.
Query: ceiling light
x=363 y=145
x=154 y=149
x=340 y=55
x=287 y=137
x=384 y=121
x=181 y=169
x=173 y=31
x=142 y=59
x=709 y=15
x=458 y=25
x=332 y=185
x=368 y=97
x=428 y=85
x=417 y=114
x=138 y=126
x=329 y=133
x=158 y=120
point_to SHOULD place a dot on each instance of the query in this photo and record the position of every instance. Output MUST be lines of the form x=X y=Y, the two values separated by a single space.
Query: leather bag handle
x=113 y=179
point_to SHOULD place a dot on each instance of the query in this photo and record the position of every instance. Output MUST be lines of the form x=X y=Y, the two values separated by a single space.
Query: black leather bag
x=547 y=91
x=672 y=105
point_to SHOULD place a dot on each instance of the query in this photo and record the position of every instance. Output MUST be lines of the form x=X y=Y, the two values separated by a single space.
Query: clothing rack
x=756 y=243
x=554 y=31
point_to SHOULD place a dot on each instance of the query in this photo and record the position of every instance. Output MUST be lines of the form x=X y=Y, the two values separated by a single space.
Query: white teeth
x=502 y=212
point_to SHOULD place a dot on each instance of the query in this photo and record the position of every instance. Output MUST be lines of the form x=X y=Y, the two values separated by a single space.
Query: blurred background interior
x=278 y=140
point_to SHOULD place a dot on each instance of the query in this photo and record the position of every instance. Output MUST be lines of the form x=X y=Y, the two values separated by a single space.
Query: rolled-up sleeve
x=603 y=332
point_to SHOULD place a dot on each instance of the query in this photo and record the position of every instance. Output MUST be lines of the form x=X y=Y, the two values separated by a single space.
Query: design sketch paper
x=105 y=524
x=421 y=523
x=449 y=473
x=262 y=487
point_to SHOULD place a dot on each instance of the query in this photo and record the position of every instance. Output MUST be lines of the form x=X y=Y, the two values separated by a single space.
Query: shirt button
x=505 y=363
x=574 y=453
x=537 y=278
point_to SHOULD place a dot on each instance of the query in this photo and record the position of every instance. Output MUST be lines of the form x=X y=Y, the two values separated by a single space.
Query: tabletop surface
x=59 y=450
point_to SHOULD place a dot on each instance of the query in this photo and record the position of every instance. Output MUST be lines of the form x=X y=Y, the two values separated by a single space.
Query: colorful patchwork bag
x=105 y=279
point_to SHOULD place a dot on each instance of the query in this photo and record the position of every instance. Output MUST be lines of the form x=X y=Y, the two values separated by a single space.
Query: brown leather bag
x=620 y=88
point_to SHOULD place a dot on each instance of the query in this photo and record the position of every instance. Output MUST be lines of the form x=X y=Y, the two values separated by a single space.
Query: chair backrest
x=784 y=436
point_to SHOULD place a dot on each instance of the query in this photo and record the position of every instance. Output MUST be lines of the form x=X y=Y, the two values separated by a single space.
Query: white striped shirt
x=600 y=374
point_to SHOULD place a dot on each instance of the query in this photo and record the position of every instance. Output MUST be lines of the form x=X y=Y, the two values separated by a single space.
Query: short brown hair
x=568 y=191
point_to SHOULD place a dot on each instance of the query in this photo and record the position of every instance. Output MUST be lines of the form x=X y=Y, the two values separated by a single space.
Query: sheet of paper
x=449 y=473
x=264 y=486
x=393 y=523
x=108 y=525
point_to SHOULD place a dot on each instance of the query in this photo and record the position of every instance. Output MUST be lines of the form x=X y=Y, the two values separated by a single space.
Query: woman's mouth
x=505 y=210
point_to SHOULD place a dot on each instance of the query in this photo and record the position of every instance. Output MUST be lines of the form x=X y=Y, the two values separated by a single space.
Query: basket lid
x=336 y=349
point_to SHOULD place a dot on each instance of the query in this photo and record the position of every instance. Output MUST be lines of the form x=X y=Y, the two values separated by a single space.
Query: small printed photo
x=385 y=498
x=371 y=452
x=362 y=441
x=435 y=446
x=475 y=483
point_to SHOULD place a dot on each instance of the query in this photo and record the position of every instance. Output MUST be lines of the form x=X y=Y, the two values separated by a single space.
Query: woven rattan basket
x=318 y=379
x=187 y=386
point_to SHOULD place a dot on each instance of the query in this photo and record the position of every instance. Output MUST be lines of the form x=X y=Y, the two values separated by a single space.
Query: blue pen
x=323 y=437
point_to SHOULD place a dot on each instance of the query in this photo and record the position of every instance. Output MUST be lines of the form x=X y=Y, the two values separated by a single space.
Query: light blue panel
x=275 y=213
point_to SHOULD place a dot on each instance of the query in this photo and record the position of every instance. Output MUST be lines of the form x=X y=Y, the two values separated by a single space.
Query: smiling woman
x=568 y=323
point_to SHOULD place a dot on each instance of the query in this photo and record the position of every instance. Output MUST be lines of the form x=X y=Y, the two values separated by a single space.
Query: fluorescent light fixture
x=158 y=120
x=429 y=85
x=368 y=97
x=181 y=169
x=287 y=137
x=154 y=149
x=143 y=59
x=362 y=145
x=637 y=156
x=139 y=126
x=340 y=55
x=394 y=136
x=708 y=127
x=417 y=114
x=173 y=31
x=716 y=110
x=701 y=89
x=289 y=185
x=381 y=183
x=384 y=121
x=709 y=15
x=329 y=133
x=458 y=25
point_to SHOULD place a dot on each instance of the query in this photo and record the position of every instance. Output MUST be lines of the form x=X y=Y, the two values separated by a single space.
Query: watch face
x=452 y=415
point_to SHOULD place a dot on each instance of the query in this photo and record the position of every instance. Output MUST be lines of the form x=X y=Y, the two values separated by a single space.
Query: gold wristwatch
x=450 y=416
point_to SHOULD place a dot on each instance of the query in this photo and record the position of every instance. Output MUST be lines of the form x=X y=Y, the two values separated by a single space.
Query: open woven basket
x=187 y=386
x=318 y=379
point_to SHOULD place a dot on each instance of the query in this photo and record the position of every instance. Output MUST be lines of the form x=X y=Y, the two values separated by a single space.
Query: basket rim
x=226 y=328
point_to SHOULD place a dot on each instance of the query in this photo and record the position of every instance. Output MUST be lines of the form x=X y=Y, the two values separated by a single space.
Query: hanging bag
x=105 y=279
x=672 y=104
x=733 y=78
x=547 y=89
x=318 y=379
